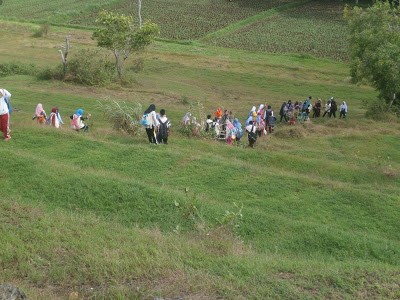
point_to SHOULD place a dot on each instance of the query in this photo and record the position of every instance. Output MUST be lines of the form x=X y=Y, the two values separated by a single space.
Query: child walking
x=163 y=128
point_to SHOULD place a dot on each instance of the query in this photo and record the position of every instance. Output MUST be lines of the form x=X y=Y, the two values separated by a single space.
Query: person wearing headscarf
x=283 y=112
x=186 y=118
x=239 y=129
x=253 y=109
x=152 y=123
x=333 y=108
x=77 y=120
x=55 y=118
x=5 y=110
x=40 y=114
x=271 y=122
x=343 y=110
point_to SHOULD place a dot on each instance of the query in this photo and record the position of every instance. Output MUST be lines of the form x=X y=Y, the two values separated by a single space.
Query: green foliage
x=115 y=30
x=375 y=48
x=48 y=73
x=232 y=218
x=118 y=35
x=90 y=67
x=122 y=116
x=17 y=68
x=43 y=30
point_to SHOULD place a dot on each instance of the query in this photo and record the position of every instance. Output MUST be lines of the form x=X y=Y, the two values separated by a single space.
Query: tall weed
x=122 y=117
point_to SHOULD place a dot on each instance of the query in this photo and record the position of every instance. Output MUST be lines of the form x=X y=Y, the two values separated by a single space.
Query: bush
x=43 y=30
x=196 y=123
x=17 y=68
x=379 y=110
x=56 y=73
x=123 y=117
x=90 y=67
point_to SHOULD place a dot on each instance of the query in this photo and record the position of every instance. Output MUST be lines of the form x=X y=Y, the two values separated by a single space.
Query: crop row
x=56 y=11
x=190 y=19
x=316 y=28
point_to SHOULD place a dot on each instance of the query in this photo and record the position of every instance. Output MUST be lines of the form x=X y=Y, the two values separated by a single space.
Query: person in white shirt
x=163 y=129
x=252 y=133
x=5 y=113
x=151 y=124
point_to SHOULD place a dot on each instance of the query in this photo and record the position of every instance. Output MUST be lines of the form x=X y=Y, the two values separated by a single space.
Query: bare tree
x=140 y=13
x=133 y=7
x=64 y=53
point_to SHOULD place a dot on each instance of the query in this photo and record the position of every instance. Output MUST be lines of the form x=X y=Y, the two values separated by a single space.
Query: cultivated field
x=279 y=26
x=314 y=28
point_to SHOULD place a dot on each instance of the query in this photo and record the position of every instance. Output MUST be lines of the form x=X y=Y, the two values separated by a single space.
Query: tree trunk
x=140 y=13
x=64 y=54
x=391 y=101
x=118 y=67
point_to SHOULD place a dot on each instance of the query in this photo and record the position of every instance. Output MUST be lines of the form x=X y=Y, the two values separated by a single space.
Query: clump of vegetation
x=49 y=73
x=43 y=30
x=375 y=49
x=116 y=33
x=193 y=123
x=17 y=68
x=90 y=67
x=122 y=117
x=290 y=132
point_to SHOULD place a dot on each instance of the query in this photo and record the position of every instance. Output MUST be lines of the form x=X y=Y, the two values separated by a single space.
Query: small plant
x=43 y=30
x=123 y=117
x=232 y=218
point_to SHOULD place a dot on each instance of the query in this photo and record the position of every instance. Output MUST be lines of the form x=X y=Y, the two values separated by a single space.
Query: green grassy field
x=106 y=216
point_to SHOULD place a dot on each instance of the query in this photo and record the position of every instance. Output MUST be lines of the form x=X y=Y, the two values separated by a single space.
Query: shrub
x=43 y=30
x=17 y=68
x=379 y=110
x=90 y=67
x=123 y=117
x=196 y=123
x=56 y=73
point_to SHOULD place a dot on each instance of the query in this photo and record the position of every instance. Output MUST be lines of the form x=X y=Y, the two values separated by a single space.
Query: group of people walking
x=54 y=119
x=224 y=125
x=301 y=111
x=262 y=121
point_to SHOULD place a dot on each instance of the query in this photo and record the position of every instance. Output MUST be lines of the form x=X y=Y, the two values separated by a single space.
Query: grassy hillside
x=108 y=216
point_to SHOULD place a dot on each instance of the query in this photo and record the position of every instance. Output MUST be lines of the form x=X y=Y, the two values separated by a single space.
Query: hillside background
x=311 y=213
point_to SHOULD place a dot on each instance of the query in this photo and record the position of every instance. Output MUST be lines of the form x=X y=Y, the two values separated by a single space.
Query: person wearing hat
x=5 y=110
